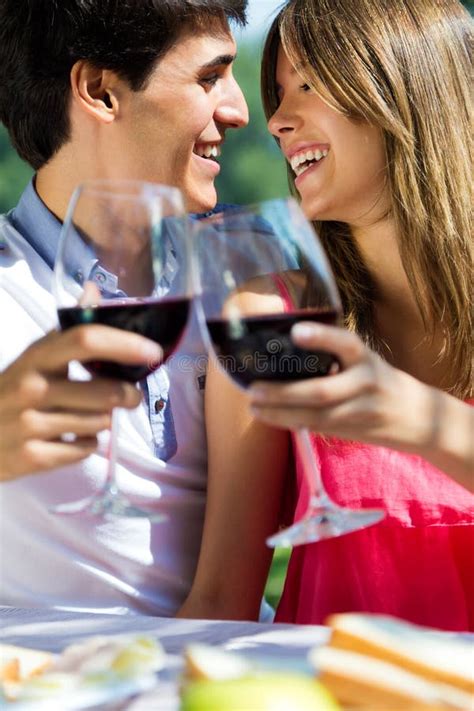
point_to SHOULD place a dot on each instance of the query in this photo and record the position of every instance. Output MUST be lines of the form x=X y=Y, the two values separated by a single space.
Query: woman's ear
x=93 y=90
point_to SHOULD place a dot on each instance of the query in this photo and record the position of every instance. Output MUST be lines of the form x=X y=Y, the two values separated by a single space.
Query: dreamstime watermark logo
x=274 y=346
x=277 y=357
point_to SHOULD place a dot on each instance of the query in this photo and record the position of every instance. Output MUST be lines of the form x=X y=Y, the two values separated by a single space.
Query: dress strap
x=283 y=291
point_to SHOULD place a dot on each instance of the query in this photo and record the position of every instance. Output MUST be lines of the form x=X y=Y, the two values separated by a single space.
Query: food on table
x=45 y=686
x=375 y=662
x=201 y=661
x=360 y=681
x=412 y=647
x=96 y=662
x=216 y=679
x=264 y=692
x=18 y=663
x=119 y=655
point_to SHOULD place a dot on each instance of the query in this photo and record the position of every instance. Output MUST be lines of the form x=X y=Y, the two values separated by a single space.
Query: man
x=136 y=89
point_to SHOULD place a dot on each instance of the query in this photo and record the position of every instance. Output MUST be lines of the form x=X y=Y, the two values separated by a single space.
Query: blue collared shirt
x=42 y=230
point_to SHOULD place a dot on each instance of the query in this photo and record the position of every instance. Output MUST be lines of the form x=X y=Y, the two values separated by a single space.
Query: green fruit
x=266 y=692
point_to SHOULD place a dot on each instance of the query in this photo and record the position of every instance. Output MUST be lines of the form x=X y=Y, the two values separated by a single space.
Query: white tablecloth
x=280 y=646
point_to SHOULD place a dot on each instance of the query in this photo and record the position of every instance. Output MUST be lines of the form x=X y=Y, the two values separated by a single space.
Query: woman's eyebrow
x=222 y=59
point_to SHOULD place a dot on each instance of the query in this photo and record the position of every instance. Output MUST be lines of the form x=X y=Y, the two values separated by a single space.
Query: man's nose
x=233 y=110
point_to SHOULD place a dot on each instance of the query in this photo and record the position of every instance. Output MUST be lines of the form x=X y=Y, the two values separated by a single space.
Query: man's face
x=172 y=131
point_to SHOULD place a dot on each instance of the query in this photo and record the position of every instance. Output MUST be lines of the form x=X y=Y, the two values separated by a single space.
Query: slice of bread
x=203 y=662
x=362 y=682
x=19 y=663
x=438 y=657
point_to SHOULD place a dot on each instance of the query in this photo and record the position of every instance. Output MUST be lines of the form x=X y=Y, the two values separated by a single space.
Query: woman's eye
x=305 y=87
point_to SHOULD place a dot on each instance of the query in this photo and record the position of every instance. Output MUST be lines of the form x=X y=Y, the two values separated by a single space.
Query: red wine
x=162 y=321
x=260 y=347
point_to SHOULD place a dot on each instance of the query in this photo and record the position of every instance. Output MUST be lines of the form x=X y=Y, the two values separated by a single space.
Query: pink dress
x=417 y=564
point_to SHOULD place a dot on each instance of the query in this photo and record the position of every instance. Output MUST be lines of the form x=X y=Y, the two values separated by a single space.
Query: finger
x=346 y=346
x=96 y=395
x=91 y=294
x=92 y=342
x=38 y=456
x=37 y=391
x=50 y=455
x=317 y=392
x=288 y=418
x=51 y=426
x=356 y=419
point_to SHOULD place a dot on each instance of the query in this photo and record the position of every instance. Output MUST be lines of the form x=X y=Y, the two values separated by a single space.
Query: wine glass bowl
x=124 y=261
x=262 y=270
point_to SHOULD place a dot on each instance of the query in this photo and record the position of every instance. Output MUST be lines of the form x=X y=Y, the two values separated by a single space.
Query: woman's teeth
x=209 y=151
x=304 y=160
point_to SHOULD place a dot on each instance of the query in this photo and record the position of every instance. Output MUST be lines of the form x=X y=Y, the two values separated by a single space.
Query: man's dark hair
x=40 y=41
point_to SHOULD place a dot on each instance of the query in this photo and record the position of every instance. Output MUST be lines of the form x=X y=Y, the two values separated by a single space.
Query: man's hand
x=39 y=405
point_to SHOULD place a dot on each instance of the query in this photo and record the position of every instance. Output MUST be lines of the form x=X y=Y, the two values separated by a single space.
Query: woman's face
x=339 y=163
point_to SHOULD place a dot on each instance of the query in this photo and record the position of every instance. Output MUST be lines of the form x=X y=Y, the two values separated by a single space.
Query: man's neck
x=56 y=181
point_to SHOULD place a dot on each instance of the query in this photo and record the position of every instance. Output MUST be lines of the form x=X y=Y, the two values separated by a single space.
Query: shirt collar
x=37 y=224
x=42 y=230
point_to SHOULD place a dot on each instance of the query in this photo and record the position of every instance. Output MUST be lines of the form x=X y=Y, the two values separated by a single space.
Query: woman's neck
x=378 y=247
x=397 y=318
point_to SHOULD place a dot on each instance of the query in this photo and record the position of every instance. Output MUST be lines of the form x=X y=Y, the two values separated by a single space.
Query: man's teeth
x=302 y=161
x=209 y=151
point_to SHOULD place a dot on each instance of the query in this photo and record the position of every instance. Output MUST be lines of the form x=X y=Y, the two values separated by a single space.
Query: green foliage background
x=14 y=173
x=252 y=165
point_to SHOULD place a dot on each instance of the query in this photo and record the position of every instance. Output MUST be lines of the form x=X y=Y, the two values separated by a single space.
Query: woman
x=382 y=86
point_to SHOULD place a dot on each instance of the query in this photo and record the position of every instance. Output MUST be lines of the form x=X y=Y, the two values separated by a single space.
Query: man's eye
x=210 y=80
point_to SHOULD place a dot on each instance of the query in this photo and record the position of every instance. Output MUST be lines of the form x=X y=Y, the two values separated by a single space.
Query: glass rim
x=131 y=189
x=254 y=207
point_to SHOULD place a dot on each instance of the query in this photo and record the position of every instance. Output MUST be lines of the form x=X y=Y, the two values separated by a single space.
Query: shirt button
x=100 y=278
x=159 y=405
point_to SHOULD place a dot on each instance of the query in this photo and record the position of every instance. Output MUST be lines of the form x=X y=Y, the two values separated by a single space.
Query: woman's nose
x=281 y=122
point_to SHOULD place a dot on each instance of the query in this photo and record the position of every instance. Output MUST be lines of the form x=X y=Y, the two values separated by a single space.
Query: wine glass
x=123 y=261
x=262 y=269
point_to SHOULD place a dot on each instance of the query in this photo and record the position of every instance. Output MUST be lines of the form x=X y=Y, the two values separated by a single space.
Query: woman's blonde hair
x=405 y=66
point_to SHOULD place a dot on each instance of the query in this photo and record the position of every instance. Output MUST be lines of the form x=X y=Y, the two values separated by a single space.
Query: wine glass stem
x=319 y=498
x=110 y=486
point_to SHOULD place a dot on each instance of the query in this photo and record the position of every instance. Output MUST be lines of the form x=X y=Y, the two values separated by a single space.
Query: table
x=52 y=630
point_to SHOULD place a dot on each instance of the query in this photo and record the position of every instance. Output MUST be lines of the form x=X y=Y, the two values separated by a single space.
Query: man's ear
x=94 y=91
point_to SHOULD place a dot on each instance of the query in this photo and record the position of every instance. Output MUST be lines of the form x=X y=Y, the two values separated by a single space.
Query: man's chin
x=202 y=202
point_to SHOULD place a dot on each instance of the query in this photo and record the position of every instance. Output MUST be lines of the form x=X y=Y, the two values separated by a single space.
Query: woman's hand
x=370 y=401
x=39 y=405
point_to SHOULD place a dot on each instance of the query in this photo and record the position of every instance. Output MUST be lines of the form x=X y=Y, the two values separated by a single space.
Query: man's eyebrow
x=222 y=59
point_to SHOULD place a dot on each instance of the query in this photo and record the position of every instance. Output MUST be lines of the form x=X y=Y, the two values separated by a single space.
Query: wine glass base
x=109 y=506
x=325 y=523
